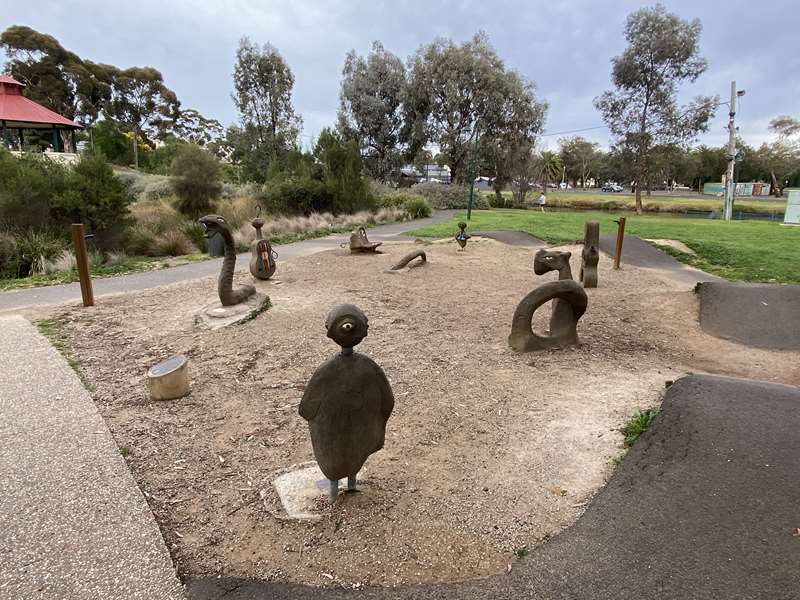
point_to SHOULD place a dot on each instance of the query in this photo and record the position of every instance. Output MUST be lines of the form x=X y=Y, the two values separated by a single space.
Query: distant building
x=433 y=173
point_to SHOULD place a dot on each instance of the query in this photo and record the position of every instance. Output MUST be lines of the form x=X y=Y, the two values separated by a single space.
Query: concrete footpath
x=71 y=292
x=73 y=523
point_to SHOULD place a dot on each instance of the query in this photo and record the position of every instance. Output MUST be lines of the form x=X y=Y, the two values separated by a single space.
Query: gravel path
x=73 y=523
x=60 y=294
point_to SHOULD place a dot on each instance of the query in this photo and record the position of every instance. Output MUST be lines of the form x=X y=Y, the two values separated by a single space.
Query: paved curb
x=73 y=523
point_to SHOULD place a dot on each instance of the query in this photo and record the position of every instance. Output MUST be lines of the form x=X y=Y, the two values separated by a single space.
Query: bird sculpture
x=347 y=402
x=462 y=236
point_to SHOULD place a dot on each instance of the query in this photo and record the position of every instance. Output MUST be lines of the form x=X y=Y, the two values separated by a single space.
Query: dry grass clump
x=173 y=243
x=238 y=211
x=156 y=216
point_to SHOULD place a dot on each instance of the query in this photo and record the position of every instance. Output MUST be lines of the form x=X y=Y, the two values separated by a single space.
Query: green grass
x=638 y=424
x=658 y=204
x=736 y=250
x=53 y=330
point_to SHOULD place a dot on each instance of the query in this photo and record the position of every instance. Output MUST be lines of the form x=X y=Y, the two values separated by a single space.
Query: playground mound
x=488 y=453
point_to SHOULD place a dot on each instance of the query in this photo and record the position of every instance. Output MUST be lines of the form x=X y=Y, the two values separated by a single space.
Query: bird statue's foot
x=351 y=484
x=334 y=490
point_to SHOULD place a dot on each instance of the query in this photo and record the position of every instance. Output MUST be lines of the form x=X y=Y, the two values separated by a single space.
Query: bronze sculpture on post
x=462 y=236
x=591 y=254
x=227 y=295
x=262 y=260
x=360 y=243
x=347 y=402
x=569 y=304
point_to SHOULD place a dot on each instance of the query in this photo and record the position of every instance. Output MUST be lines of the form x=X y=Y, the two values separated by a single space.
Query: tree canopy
x=642 y=111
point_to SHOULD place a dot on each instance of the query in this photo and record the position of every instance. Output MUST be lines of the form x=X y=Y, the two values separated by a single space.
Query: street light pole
x=472 y=175
x=730 y=186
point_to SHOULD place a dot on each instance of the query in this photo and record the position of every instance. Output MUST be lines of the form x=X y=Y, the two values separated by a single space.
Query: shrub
x=156 y=187
x=443 y=196
x=238 y=211
x=29 y=185
x=173 y=243
x=157 y=216
x=417 y=208
x=196 y=180
x=298 y=197
x=397 y=198
x=9 y=258
x=500 y=201
x=35 y=247
x=196 y=234
x=96 y=197
x=141 y=241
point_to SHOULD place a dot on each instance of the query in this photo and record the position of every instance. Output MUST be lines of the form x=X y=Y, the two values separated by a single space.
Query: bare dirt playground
x=488 y=452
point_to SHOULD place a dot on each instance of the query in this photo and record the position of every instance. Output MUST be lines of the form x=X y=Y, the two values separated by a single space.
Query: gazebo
x=19 y=113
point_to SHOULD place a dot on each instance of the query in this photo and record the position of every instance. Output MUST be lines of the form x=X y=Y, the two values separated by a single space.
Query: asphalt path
x=761 y=315
x=60 y=294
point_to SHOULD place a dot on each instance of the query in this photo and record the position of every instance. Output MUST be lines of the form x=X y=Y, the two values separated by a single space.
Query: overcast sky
x=564 y=47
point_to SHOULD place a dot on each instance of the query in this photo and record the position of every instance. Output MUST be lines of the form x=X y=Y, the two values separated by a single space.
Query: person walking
x=542 y=201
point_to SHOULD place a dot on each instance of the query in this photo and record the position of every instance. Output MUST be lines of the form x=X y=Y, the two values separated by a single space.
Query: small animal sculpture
x=591 y=254
x=347 y=402
x=262 y=259
x=360 y=243
x=555 y=260
x=462 y=236
x=214 y=224
x=569 y=304
x=409 y=257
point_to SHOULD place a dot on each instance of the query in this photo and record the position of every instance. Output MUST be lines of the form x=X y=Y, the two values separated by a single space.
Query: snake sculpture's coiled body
x=214 y=224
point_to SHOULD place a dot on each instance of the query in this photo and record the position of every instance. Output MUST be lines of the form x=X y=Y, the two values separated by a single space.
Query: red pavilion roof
x=20 y=110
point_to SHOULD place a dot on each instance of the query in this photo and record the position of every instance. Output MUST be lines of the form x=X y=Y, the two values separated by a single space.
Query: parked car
x=611 y=187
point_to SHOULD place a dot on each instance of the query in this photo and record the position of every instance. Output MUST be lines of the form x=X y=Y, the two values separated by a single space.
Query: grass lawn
x=736 y=250
x=660 y=204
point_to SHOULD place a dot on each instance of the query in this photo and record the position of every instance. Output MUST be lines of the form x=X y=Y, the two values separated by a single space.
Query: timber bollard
x=620 y=237
x=79 y=241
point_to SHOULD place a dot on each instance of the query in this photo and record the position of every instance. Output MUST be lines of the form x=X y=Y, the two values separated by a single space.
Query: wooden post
x=79 y=241
x=620 y=237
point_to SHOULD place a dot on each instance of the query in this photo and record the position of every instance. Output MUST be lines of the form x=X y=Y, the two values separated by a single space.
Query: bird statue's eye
x=346 y=327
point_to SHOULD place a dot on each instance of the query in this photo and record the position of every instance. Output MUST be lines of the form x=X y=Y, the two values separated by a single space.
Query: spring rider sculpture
x=591 y=254
x=462 y=236
x=569 y=304
x=227 y=295
x=262 y=260
x=347 y=402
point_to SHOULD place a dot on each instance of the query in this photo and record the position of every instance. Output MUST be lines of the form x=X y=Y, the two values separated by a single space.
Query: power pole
x=729 y=183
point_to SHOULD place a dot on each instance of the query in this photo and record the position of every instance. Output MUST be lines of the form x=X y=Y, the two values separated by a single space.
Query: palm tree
x=550 y=164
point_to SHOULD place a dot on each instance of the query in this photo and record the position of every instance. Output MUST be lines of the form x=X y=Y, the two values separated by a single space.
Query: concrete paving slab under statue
x=214 y=315
x=639 y=253
x=756 y=314
x=703 y=507
x=300 y=491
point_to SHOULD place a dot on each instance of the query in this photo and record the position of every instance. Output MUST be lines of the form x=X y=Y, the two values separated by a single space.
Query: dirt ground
x=488 y=452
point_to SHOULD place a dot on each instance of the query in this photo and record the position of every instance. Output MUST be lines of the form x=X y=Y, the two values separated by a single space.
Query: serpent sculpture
x=408 y=258
x=347 y=402
x=262 y=259
x=591 y=254
x=360 y=243
x=462 y=236
x=214 y=224
x=569 y=304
